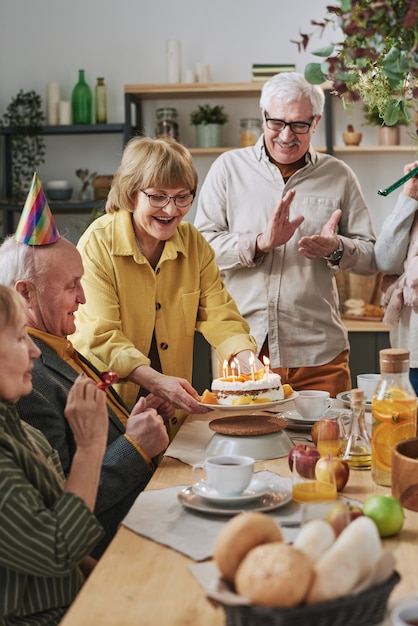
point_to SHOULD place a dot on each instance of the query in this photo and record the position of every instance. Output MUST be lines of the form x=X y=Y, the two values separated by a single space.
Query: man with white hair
x=282 y=218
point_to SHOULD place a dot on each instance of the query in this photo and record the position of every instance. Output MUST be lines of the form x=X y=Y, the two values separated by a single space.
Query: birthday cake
x=248 y=389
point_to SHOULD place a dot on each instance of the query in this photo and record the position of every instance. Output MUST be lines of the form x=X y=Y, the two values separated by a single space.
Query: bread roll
x=274 y=575
x=239 y=535
x=314 y=538
x=350 y=558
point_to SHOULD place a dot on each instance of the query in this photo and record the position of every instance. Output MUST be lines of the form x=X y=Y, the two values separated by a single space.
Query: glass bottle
x=81 y=101
x=250 y=130
x=358 y=452
x=166 y=123
x=394 y=412
x=101 y=102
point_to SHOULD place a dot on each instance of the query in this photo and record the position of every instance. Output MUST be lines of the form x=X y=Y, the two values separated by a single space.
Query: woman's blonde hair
x=12 y=304
x=158 y=163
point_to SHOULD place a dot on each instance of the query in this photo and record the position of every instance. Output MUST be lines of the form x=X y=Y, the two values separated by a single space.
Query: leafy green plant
x=377 y=61
x=24 y=117
x=205 y=114
x=372 y=117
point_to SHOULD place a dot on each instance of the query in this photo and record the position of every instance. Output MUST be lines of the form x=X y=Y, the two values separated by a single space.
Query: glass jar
x=166 y=123
x=101 y=102
x=358 y=451
x=394 y=412
x=250 y=130
x=81 y=101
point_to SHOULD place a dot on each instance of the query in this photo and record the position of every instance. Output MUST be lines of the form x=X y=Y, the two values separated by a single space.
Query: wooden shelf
x=194 y=90
x=374 y=149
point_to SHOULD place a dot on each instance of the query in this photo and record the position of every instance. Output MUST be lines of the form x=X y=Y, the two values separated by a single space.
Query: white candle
x=64 y=112
x=266 y=362
x=238 y=366
x=173 y=52
x=225 y=369
x=251 y=361
x=233 y=371
x=53 y=98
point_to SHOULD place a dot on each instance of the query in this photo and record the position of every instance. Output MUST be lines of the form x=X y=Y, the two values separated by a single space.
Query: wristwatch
x=337 y=254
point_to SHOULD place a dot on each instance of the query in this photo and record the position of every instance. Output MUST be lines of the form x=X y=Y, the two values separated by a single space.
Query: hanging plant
x=377 y=61
x=24 y=117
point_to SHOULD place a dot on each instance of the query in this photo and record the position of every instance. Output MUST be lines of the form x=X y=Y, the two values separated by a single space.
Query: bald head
x=49 y=278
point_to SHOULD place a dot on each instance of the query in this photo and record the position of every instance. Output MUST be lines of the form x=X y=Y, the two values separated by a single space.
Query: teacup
x=311 y=404
x=229 y=475
x=405 y=613
x=368 y=382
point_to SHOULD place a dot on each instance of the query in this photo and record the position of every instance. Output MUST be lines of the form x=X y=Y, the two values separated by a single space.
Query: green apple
x=386 y=512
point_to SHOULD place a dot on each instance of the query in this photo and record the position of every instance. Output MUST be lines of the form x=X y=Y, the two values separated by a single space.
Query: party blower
x=398 y=183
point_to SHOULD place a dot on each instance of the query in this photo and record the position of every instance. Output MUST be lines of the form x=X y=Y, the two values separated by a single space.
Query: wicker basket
x=363 y=609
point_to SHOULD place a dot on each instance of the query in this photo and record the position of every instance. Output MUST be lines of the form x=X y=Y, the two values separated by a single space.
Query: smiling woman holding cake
x=151 y=281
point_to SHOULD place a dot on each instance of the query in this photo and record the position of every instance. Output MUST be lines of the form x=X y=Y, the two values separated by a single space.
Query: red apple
x=306 y=455
x=330 y=430
x=341 y=514
x=340 y=468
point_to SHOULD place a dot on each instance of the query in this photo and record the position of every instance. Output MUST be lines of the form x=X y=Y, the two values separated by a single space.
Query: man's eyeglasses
x=159 y=201
x=299 y=128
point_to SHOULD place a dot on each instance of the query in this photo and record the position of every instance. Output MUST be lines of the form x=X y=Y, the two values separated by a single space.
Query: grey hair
x=16 y=262
x=289 y=87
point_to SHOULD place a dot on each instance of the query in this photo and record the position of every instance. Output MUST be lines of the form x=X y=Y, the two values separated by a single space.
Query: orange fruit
x=208 y=398
x=287 y=390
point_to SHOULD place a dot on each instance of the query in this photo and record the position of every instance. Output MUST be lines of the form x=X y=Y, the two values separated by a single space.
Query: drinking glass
x=332 y=437
x=306 y=487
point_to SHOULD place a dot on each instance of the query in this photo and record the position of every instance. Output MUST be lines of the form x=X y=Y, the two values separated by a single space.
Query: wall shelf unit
x=9 y=208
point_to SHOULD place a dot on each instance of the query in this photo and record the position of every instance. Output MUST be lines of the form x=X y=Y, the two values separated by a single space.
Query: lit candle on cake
x=238 y=367
x=266 y=362
x=233 y=370
x=225 y=369
x=251 y=361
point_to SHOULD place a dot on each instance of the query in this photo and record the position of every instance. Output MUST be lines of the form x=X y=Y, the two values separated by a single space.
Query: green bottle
x=81 y=101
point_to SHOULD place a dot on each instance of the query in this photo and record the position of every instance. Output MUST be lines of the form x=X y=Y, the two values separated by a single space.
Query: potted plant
x=24 y=117
x=208 y=121
x=376 y=61
x=388 y=135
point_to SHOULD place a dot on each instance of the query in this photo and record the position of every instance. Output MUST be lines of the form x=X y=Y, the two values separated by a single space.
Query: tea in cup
x=368 y=383
x=311 y=404
x=228 y=475
x=405 y=613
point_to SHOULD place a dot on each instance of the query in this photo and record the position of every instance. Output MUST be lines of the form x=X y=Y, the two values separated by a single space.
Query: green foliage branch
x=377 y=60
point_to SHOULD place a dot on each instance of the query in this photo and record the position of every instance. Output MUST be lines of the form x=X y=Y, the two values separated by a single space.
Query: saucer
x=345 y=397
x=273 y=499
x=297 y=418
x=255 y=489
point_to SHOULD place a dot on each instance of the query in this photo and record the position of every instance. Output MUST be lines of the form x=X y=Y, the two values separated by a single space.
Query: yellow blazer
x=127 y=300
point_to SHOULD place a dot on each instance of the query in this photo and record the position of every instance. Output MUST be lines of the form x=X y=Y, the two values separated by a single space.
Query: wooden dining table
x=139 y=582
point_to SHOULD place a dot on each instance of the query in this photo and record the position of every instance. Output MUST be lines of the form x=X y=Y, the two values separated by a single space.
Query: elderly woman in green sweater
x=46 y=524
x=151 y=280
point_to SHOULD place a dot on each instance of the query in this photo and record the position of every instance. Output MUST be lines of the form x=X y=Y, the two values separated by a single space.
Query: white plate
x=262 y=406
x=271 y=500
x=255 y=489
x=345 y=396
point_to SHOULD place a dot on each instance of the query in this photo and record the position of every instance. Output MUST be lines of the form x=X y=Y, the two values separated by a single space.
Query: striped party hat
x=36 y=226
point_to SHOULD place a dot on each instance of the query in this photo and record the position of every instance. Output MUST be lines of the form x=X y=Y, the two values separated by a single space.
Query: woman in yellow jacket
x=151 y=280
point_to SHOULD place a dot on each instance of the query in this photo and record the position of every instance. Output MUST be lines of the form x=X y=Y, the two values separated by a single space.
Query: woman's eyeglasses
x=159 y=201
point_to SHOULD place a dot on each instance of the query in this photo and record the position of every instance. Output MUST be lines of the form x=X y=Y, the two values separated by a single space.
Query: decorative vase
x=208 y=135
x=81 y=101
x=389 y=136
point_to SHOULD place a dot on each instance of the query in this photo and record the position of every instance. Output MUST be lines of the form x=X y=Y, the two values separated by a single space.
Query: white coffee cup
x=312 y=403
x=405 y=613
x=368 y=382
x=229 y=475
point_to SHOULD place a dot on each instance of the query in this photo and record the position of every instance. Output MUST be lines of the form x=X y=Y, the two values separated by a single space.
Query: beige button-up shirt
x=291 y=299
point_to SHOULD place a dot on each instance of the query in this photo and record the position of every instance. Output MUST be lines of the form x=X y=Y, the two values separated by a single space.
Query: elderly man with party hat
x=47 y=269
